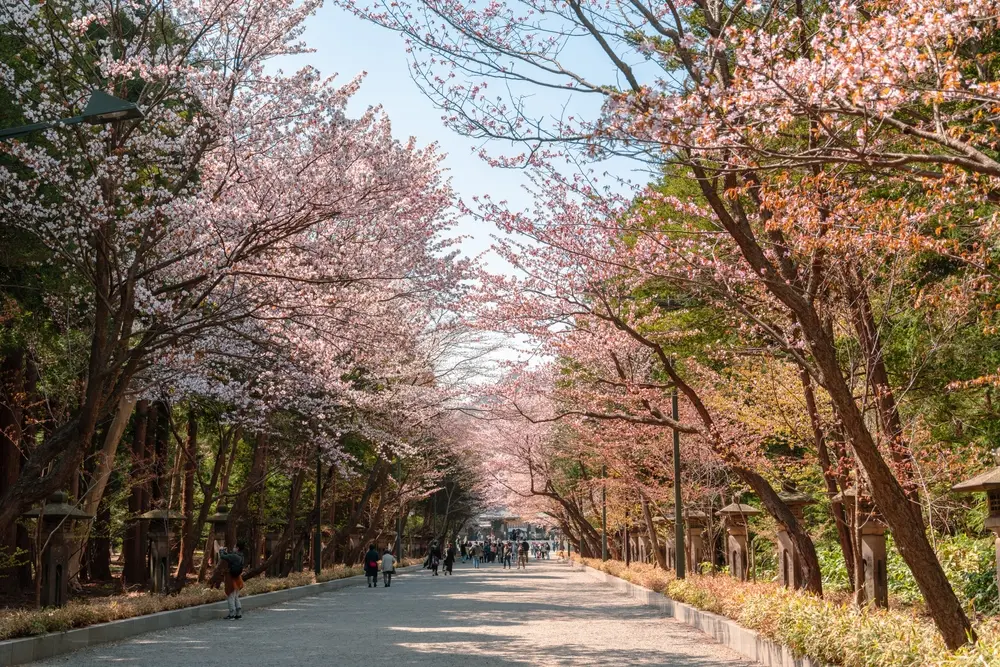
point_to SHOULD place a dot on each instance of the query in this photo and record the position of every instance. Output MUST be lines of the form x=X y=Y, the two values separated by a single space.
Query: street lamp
x=101 y=108
x=318 y=537
x=678 y=509
x=399 y=518
x=604 y=513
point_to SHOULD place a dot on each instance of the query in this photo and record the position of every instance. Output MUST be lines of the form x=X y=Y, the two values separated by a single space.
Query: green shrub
x=836 y=634
x=81 y=613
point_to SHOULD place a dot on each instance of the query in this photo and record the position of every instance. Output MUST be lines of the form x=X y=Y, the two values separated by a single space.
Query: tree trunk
x=134 y=572
x=376 y=477
x=878 y=381
x=903 y=517
x=290 y=529
x=159 y=429
x=255 y=480
x=193 y=529
x=99 y=545
x=12 y=400
x=833 y=485
x=189 y=467
x=653 y=538
x=103 y=466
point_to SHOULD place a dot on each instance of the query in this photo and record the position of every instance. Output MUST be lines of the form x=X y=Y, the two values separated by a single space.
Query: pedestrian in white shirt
x=388 y=567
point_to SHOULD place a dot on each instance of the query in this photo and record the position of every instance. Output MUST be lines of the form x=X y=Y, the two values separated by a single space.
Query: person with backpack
x=435 y=557
x=388 y=567
x=371 y=566
x=232 y=562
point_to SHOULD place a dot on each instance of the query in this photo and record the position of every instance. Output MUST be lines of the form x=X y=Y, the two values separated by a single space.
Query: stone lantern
x=988 y=483
x=696 y=522
x=789 y=563
x=734 y=519
x=873 y=556
x=161 y=532
x=57 y=518
x=219 y=521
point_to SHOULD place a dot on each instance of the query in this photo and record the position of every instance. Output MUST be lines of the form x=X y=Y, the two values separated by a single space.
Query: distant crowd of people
x=506 y=552
x=491 y=550
x=439 y=559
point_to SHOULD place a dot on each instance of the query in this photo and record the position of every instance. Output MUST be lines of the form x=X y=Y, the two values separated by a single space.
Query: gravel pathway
x=548 y=615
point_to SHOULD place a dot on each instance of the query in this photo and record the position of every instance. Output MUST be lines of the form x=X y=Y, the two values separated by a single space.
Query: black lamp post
x=399 y=518
x=318 y=537
x=678 y=508
x=101 y=108
x=604 y=513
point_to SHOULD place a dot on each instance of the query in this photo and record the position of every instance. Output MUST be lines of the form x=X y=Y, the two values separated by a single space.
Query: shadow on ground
x=547 y=615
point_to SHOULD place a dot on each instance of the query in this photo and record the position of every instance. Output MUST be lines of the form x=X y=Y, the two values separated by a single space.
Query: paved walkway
x=548 y=615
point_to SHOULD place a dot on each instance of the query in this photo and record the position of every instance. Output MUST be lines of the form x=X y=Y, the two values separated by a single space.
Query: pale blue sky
x=347 y=45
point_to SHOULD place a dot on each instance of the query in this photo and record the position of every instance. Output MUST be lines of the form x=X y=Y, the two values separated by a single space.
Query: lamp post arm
x=13 y=132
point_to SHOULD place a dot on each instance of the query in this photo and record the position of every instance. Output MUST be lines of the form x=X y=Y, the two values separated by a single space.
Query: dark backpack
x=235 y=564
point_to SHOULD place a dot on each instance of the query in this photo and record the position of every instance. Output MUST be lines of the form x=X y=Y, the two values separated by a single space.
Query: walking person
x=435 y=557
x=507 y=549
x=388 y=567
x=476 y=552
x=232 y=562
x=371 y=566
x=465 y=551
x=449 y=559
x=522 y=555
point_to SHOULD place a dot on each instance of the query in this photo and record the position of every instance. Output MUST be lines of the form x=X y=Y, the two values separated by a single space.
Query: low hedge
x=16 y=623
x=832 y=633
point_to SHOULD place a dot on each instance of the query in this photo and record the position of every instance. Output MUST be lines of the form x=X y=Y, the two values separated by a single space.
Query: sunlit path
x=548 y=615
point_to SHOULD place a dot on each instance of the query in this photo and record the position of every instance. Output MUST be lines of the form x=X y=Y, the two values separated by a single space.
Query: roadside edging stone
x=29 y=649
x=744 y=641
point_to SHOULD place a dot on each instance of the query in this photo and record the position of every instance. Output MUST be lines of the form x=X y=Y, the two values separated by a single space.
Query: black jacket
x=371 y=556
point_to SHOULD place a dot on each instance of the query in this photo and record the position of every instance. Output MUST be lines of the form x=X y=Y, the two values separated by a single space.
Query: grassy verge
x=830 y=632
x=17 y=623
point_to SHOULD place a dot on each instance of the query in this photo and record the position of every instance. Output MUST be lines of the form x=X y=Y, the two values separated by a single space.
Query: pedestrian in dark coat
x=435 y=556
x=372 y=558
x=449 y=559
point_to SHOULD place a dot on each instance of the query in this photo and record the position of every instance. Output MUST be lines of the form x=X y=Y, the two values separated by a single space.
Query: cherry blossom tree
x=241 y=196
x=784 y=132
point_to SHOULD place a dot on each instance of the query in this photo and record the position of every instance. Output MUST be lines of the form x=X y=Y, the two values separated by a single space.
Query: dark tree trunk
x=255 y=481
x=160 y=416
x=133 y=546
x=189 y=459
x=653 y=538
x=99 y=544
x=193 y=528
x=833 y=485
x=878 y=381
x=290 y=533
x=902 y=515
x=12 y=399
x=376 y=477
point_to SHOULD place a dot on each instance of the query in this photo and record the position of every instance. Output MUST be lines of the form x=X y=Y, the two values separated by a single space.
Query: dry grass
x=81 y=613
x=832 y=632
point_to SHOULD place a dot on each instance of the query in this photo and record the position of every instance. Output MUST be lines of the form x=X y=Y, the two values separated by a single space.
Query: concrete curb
x=747 y=643
x=29 y=649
